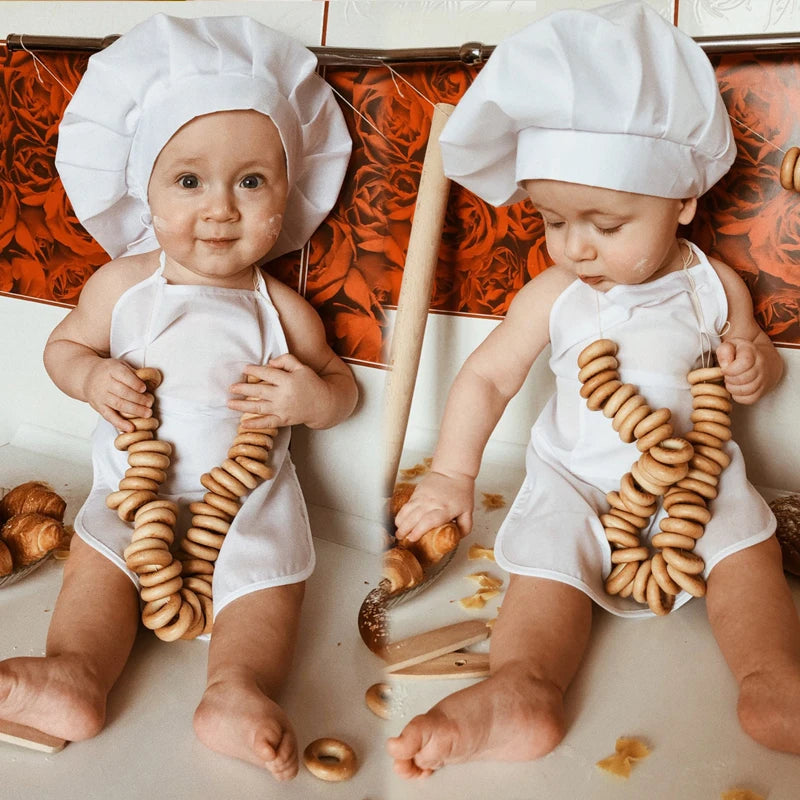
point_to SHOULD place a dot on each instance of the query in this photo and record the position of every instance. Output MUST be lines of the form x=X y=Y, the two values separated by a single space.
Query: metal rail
x=467 y=53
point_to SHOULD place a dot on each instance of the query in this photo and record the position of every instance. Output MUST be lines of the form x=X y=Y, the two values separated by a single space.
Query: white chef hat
x=163 y=73
x=616 y=97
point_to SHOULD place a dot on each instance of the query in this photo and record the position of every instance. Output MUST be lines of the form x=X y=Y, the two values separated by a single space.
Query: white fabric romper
x=574 y=456
x=201 y=337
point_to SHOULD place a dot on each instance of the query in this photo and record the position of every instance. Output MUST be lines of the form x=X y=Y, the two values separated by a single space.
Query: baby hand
x=289 y=393
x=112 y=389
x=743 y=366
x=439 y=498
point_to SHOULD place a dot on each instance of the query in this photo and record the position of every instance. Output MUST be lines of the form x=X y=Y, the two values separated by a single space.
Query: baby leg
x=249 y=658
x=94 y=625
x=517 y=713
x=756 y=625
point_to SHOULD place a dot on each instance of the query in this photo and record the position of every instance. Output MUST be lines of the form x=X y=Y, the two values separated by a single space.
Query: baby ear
x=688 y=210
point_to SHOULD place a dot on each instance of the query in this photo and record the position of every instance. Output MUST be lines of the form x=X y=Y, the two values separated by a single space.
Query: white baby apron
x=575 y=457
x=200 y=338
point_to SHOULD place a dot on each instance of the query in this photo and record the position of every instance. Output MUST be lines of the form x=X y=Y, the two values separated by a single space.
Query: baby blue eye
x=188 y=181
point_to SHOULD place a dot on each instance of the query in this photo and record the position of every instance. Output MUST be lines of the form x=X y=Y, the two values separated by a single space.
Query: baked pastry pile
x=31 y=516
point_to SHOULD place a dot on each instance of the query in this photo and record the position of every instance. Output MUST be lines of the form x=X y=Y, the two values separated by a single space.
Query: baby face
x=606 y=237
x=217 y=194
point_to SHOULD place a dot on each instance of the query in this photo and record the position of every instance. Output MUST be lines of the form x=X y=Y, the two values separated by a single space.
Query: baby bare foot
x=510 y=716
x=236 y=719
x=55 y=694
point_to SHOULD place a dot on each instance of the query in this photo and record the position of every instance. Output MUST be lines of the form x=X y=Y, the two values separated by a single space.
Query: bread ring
x=710 y=415
x=693 y=584
x=655 y=437
x=620 y=512
x=174 y=631
x=159 y=576
x=139 y=483
x=677 y=495
x=685 y=561
x=685 y=527
x=598 y=380
x=672 y=451
x=626 y=504
x=715 y=454
x=621 y=537
x=198 y=621
x=205 y=538
x=158 y=475
x=199 y=550
x=264 y=471
x=701 y=438
x=627 y=591
x=599 y=397
x=703 y=464
x=210 y=523
x=150 y=376
x=148 y=513
x=705 y=477
x=705 y=375
x=249 y=451
x=640 y=582
x=662 y=576
x=379 y=698
x=240 y=473
x=150 y=560
x=654 y=420
x=125 y=440
x=152 y=446
x=206 y=509
x=199 y=585
x=213 y=485
x=142 y=545
x=197 y=566
x=231 y=483
x=598 y=348
x=660 y=603
x=154 y=530
x=330 y=760
x=637 y=494
x=646 y=482
x=628 y=407
x=622 y=393
x=614 y=521
x=254 y=437
x=130 y=505
x=162 y=589
x=631 y=421
x=716 y=402
x=230 y=507
x=596 y=366
x=148 y=459
x=690 y=511
x=620 y=576
x=669 y=539
x=145 y=423
x=627 y=554
x=722 y=432
x=663 y=473
x=788 y=169
x=158 y=613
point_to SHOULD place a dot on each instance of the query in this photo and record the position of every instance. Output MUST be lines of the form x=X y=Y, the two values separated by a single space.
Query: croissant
x=6 y=563
x=32 y=497
x=433 y=544
x=400 y=496
x=30 y=537
x=402 y=569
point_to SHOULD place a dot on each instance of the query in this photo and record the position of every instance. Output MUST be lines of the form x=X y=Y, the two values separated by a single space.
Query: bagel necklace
x=176 y=592
x=683 y=470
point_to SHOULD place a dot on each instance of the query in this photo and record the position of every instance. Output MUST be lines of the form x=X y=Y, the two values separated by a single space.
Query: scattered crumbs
x=492 y=502
x=627 y=751
x=416 y=470
x=740 y=794
x=480 y=551
x=478 y=600
x=338 y=644
x=485 y=580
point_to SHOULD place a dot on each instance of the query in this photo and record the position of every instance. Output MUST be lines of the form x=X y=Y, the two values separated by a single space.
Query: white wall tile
x=441 y=23
x=300 y=18
x=738 y=17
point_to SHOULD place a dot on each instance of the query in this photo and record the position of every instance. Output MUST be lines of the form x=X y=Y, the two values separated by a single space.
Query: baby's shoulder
x=543 y=289
x=113 y=279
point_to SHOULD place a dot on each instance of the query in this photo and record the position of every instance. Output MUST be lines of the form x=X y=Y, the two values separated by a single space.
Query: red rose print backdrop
x=352 y=268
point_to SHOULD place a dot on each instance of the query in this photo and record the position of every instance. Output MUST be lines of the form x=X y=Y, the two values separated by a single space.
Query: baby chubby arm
x=751 y=364
x=490 y=377
x=310 y=385
x=76 y=355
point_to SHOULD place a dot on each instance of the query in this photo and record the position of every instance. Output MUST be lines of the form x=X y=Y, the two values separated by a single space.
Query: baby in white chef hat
x=194 y=150
x=611 y=122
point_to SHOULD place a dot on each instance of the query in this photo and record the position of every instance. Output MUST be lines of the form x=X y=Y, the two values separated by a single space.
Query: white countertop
x=148 y=748
x=661 y=680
